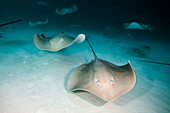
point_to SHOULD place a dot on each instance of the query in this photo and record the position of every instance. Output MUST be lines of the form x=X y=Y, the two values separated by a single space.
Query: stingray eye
x=97 y=82
x=61 y=40
x=112 y=82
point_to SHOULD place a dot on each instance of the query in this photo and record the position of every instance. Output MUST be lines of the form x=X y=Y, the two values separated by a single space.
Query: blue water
x=35 y=81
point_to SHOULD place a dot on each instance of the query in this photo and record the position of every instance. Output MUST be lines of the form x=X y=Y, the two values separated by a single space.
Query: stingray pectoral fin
x=80 y=38
x=43 y=44
x=128 y=77
x=79 y=78
x=124 y=76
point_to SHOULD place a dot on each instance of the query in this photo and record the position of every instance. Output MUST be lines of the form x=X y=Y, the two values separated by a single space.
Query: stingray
x=56 y=42
x=43 y=3
x=102 y=78
x=73 y=8
x=139 y=26
x=31 y=24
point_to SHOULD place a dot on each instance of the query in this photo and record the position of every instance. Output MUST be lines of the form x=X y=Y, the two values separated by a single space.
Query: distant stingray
x=31 y=24
x=73 y=8
x=103 y=79
x=139 y=26
x=56 y=42
x=43 y=3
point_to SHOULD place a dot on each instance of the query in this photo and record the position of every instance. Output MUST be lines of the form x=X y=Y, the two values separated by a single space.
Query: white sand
x=34 y=81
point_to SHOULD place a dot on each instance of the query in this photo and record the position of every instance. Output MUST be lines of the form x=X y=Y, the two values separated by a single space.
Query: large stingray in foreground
x=57 y=42
x=102 y=78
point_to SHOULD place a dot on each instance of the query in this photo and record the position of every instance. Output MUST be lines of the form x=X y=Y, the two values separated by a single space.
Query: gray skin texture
x=103 y=79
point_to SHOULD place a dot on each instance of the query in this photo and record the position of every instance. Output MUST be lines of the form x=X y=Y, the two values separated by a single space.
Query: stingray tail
x=154 y=62
x=10 y=22
x=91 y=49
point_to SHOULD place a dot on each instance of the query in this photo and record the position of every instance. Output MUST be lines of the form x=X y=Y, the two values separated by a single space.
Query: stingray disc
x=73 y=8
x=103 y=79
x=57 y=42
x=139 y=26
x=133 y=25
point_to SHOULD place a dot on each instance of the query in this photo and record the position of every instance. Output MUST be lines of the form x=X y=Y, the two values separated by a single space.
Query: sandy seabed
x=35 y=81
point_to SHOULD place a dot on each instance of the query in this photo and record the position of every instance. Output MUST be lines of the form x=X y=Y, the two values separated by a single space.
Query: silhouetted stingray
x=73 y=8
x=102 y=78
x=139 y=26
x=31 y=24
x=43 y=3
x=57 y=42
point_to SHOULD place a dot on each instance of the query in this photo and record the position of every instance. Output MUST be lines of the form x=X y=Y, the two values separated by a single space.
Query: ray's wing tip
x=69 y=90
x=35 y=41
x=129 y=61
x=129 y=64
x=35 y=35
x=134 y=75
x=80 y=38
